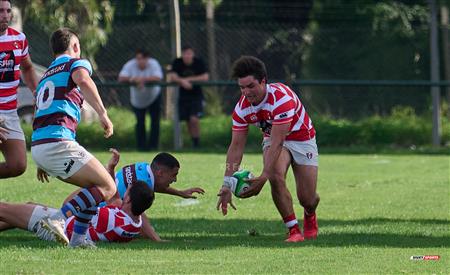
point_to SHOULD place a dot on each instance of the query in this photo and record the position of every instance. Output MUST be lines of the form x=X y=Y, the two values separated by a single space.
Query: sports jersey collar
x=135 y=224
x=264 y=100
x=63 y=55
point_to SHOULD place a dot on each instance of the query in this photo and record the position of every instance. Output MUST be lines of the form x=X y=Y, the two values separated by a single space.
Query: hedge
x=401 y=129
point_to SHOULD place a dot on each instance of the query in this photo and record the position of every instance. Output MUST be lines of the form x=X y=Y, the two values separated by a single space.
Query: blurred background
x=331 y=52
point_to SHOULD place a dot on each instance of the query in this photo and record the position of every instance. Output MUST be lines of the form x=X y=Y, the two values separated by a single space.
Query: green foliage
x=403 y=128
x=91 y=19
x=366 y=40
x=376 y=211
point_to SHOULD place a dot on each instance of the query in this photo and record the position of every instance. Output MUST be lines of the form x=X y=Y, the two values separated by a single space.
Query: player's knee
x=16 y=169
x=276 y=179
x=310 y=202
x=3 y=206
x=109 y=191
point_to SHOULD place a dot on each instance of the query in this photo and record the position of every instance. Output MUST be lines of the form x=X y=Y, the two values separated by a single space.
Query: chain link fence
x=297 y=40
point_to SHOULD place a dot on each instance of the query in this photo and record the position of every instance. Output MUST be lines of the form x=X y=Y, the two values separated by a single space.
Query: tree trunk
x=446 y=50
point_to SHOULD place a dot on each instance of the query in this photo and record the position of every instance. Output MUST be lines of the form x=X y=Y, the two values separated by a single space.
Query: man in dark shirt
x=184 y=72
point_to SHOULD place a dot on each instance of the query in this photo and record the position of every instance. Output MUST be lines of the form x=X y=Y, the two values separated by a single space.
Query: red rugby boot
x=310 y=227
x=295 y=235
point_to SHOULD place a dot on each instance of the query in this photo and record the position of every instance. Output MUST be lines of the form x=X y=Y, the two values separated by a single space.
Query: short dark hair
x=60 y=40
x=165 y=159
x=141 y=196
x=249 y=65
x=142 y=51
x=187 y=47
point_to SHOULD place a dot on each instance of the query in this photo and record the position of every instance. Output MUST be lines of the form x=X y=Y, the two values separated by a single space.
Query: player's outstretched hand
x=107 y=126
x=188 y=193
x=256 y=185
x=224 y=200
x=115 y=157
x=42 y=176
x=3 y=133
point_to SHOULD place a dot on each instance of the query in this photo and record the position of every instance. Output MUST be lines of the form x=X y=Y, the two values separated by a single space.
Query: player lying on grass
x=109 y=223
x=159 y=175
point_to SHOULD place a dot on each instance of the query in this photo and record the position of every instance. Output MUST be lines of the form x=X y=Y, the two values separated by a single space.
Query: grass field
x=376 y=212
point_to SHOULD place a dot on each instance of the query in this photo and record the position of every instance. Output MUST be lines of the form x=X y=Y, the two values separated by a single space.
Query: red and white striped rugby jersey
x=110 y=224
x=281 y=105
x=13 y=49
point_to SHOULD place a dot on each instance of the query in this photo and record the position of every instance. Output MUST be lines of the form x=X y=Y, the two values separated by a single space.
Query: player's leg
x=5 y=226
x=195 y=111
x=13 y=148
x=155 y=115
x=281 y=195
x=15 y=215
x=15 y=163
x=97 y=186
x=140 y=128
x=73 y=164
x=306 y=180
x=305 y=169
x=194 y=129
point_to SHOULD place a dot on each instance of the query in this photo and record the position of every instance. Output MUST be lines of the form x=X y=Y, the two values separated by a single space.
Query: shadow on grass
x=203 y=234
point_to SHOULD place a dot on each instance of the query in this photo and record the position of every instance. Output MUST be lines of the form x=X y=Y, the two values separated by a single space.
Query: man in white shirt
x=139 y=72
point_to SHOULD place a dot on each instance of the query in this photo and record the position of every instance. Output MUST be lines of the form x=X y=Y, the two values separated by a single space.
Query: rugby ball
x=241 y=185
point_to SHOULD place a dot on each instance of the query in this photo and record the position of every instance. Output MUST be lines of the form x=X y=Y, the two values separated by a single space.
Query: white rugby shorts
x=60 y=159
x=302 y=152
x=11 y=122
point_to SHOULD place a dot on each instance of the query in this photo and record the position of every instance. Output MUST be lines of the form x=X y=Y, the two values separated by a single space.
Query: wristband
x=229 y=182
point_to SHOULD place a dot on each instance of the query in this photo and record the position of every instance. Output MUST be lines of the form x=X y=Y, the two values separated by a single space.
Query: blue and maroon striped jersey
x=128 y=174
x=58 y=101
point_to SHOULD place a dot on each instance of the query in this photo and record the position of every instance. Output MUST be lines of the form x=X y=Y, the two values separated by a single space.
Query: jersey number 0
x=45 y=95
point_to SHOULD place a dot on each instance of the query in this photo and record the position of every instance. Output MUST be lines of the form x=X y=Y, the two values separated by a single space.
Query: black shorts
x=190 y=107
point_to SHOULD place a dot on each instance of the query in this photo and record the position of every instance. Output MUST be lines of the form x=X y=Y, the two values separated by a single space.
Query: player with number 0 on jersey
x=60 y=94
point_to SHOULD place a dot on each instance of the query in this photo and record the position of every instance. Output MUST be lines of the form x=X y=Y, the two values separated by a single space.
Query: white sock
x=77 y=238
x=58 y=216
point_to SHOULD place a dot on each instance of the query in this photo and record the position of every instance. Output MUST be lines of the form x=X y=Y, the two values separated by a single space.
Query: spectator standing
x=140 y=71
x=184 y=72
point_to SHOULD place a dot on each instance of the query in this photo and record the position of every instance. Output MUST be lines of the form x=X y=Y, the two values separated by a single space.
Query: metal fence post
x=435 y=90
x=176 y=52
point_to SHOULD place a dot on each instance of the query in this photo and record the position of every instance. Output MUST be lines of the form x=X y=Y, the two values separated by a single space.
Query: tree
x=91 y=19
x=367 y=40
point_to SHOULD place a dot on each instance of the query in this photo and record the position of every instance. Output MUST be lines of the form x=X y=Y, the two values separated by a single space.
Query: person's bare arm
x=198 y=78
x=187 y=193
x=174 y=77
x=234 y=158
x=82 y=78
x=147 y=230
x=124 y=79
x=29 y=74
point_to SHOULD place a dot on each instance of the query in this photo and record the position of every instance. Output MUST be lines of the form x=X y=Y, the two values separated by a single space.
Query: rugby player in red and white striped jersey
x=110 y=223
x=118 y=223
x=14 y=59
x=288 y=140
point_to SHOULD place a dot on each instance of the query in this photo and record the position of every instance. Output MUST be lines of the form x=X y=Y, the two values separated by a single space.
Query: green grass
x=376 y=211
